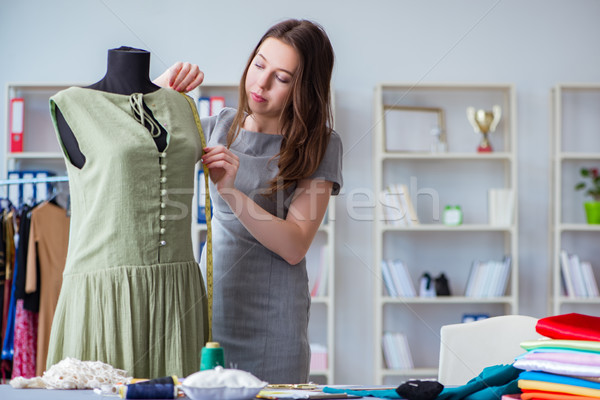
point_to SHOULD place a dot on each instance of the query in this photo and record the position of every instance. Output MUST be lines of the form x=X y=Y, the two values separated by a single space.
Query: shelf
x=497 y=156
x=447 y=300
x=578 y=228
x=579 y=156
x=445 y=228
x=34 y=156
x=460 y=176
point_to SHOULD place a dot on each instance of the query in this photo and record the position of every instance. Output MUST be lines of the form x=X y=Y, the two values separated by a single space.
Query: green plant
x=592 y=183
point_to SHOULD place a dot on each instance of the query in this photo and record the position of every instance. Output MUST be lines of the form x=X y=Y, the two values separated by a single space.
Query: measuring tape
x=209 y=260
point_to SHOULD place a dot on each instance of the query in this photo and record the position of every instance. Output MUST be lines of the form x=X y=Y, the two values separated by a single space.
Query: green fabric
x=490 y=384
x=126 y=299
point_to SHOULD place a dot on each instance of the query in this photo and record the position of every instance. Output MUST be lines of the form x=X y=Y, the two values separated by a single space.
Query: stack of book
x=578 y=276
x=396 y=352
x=396 y=279
x=398 y=208
x=488 y=278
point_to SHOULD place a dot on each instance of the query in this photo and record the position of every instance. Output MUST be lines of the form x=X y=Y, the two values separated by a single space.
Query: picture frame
x=414 y=129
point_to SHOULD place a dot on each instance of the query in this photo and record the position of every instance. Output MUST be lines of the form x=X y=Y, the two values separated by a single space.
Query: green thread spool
x=212 y=355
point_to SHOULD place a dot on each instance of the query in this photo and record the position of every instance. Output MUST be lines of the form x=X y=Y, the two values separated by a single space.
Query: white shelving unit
x=576 y=144
x=458 y=176
x=42 y=152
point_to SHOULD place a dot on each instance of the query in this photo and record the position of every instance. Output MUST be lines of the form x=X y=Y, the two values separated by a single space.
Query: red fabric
x=540 y=395
x=571 y=326
x=26 y=326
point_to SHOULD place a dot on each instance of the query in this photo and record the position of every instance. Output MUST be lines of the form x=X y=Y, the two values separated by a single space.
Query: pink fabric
x=26 y=325
x=575 y=357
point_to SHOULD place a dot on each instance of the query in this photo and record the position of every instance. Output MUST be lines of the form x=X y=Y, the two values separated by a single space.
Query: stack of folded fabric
x=566 y=366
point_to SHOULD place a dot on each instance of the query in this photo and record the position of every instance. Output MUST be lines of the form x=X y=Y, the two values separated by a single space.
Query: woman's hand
x=222 y=166
x=181 y=76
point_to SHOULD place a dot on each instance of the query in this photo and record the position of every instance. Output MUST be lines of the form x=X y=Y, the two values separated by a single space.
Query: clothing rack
x=34 y=180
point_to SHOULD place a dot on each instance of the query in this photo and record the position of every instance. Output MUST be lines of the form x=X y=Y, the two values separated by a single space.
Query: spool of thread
x=149 y=391
x=211 y=356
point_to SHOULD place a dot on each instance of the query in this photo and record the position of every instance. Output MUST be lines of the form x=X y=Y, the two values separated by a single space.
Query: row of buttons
x=163 y=194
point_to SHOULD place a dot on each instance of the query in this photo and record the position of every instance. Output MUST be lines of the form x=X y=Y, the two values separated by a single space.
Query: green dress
x=132 y=294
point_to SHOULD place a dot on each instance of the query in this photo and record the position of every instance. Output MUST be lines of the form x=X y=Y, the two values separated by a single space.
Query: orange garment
x=48 y=243
x=539 y=395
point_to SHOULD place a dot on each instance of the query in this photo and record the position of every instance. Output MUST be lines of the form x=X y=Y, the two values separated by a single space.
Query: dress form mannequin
x=127 y=72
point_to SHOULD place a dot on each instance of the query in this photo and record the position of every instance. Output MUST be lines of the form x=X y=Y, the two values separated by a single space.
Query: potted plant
x=591 y=185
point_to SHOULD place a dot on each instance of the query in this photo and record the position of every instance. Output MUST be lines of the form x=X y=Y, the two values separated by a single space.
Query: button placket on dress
x=163 y=199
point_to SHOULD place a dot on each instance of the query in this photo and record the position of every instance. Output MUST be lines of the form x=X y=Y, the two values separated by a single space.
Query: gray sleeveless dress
x=260 y=302
x=132 y=295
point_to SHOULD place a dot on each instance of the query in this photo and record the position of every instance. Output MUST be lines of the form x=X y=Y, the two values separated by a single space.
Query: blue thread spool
x=150 y=391
x=211 y=356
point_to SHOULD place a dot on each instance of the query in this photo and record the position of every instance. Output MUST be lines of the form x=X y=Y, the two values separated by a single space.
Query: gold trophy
x=484 y=122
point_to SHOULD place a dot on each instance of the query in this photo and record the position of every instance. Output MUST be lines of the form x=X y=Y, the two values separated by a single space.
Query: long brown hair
x=306 y=118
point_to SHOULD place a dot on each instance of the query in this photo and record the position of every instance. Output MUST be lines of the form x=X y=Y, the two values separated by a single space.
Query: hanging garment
x=261 y=303
x=25 y=342
x=47 y=249
x=132 y=294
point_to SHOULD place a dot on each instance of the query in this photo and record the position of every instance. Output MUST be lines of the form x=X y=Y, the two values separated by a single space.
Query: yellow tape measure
x=209 y=260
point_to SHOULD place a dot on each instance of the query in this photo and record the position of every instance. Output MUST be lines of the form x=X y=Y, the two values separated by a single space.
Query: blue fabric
x=8 y=347
x=562 y=379
x=490 y=384
x=387 y=393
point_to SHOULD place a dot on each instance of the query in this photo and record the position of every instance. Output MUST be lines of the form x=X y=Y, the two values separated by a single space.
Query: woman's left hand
x=222 y=166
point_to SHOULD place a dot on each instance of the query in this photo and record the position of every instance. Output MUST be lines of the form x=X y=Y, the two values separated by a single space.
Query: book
x=408 y=205
x=217 y=103
x=17 y=118
x=204 y=107
x=566 y=274
x=393 y=211
x=388 y=280
x=590 y=279
x=501 y=204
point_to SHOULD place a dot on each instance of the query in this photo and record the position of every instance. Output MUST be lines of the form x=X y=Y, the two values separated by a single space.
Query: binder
x=217 y=103
x=201 y=195
x=17 y=115
x=204 y=107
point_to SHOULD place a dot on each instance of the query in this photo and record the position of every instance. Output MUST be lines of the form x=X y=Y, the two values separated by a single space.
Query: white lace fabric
x=71 y=373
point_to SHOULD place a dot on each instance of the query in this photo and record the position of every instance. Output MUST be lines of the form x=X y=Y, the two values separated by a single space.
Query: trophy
x=484 y=122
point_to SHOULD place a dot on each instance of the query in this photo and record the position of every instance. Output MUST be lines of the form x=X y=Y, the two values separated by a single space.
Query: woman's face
x=269 y=78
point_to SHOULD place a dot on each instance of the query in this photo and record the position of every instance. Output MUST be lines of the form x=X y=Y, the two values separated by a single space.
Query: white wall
x=533 y=44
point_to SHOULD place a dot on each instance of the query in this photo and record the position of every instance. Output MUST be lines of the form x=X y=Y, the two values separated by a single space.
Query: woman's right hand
x=222 y=165
x=181 y=76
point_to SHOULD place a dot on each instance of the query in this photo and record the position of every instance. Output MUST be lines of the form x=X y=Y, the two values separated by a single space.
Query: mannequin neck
x=127 y=72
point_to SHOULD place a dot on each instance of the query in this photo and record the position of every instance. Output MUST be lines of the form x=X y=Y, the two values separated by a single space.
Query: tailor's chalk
x=211 y=356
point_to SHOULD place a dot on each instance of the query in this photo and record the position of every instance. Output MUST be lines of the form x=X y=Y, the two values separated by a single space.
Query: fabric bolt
x=24 y=359
x=556 y=367
x=132 y=295
x=585 y=345
x=47 y=244
x=543 y=377
x=572 y=326
x=567 y=380
x=564 y=355
x=261 y=303
x=542 y=386
x=536 y=394
x=493 y=382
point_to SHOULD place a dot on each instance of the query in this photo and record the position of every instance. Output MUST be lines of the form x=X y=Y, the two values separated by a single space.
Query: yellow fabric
x=558 y=387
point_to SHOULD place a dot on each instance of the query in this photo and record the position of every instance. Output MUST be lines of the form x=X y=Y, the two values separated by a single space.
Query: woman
x=274 y=164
